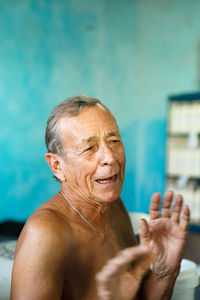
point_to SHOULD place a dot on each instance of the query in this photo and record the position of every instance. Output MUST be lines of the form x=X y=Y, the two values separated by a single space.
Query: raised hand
x=114 y=282
x=166 y=233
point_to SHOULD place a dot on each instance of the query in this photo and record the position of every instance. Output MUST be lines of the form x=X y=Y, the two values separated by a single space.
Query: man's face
x=95 y=159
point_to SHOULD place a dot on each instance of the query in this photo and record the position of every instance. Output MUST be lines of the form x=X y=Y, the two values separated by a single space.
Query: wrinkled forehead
x=91 y=121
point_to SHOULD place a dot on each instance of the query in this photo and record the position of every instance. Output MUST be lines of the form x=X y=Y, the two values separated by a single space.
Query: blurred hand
x=114 y=282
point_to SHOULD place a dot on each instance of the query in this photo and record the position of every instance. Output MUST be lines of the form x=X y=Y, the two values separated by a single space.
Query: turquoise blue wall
x=131 y=54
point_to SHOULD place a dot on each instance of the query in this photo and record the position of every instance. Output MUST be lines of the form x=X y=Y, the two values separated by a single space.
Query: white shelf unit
x=183 y=150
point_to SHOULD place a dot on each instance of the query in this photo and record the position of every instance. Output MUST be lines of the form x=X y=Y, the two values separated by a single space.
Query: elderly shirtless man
x=79 y=245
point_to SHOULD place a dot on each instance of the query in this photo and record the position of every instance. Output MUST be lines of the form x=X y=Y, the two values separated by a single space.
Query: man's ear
x=54 y=162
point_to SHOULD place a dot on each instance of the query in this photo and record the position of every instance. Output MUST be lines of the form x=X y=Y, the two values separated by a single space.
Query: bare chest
x=91 y=252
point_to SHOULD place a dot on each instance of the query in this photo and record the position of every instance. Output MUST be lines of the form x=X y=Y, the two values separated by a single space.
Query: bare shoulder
x=45 y=227
x=41 y=255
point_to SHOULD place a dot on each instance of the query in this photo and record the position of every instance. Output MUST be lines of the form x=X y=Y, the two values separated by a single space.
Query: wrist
x=165 y=272
x=159 y=285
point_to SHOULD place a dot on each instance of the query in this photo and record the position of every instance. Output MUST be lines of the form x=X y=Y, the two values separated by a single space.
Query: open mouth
x=106 y=180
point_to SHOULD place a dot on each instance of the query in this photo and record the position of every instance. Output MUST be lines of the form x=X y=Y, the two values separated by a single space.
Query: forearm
x=155 y=287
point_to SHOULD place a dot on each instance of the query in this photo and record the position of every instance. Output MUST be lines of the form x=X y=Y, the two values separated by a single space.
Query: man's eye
x=115 y=141
x=89 y=148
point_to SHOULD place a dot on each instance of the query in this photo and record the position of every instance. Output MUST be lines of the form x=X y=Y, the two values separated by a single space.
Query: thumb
x=144 y=233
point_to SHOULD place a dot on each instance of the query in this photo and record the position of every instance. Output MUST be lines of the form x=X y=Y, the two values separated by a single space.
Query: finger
x=131 y=281
x=154 y=206
x=185 y=218
x=108 y=278
x=115 y=265
x=108 y=281
x=144 y=233
x=141 y=266
x=103 y=293
x=166 y=206
x=177 y=208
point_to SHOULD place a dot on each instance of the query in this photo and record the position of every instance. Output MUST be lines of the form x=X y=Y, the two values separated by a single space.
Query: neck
x=96 y=213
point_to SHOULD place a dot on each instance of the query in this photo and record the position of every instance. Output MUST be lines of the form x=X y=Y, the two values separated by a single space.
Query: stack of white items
x=6 y=262
x=183 y=158
x=184 y=117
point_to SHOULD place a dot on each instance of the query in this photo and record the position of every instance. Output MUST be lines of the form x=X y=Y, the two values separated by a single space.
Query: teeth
x=105 y=180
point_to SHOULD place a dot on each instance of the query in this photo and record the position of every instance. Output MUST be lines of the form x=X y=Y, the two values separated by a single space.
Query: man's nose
x=106 y=155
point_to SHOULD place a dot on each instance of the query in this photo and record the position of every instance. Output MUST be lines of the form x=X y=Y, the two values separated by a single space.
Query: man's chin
x=108 y=198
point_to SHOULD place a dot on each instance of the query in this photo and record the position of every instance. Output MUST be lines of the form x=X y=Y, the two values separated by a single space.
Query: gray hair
x=69 y=107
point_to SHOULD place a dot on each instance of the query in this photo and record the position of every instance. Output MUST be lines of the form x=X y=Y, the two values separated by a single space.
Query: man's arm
x=38 y=270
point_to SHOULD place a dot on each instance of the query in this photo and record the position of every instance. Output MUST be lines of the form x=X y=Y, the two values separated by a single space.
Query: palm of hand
x=168 y=242
x=166 y=234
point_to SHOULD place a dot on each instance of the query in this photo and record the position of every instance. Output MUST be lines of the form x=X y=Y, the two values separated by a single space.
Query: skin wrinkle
x=83 y=189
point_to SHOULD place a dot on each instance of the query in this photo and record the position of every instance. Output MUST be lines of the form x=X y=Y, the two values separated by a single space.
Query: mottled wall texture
x=129 y=53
